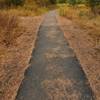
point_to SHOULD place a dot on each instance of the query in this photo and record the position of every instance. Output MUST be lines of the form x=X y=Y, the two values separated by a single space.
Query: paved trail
x=54 y=72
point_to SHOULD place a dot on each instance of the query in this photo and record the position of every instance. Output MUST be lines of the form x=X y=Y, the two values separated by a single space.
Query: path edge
x=33 y=46
x=89 y=83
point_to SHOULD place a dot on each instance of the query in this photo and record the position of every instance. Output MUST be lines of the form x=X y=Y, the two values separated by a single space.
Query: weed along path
x=54 y=72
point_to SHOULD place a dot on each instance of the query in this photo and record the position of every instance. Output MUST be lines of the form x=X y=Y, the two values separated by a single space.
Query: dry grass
x=86 y=43
x=17 y=40
x=8 y=29
x=24 y=12
x=60 y=89
x=82 y=16
x=14 y=57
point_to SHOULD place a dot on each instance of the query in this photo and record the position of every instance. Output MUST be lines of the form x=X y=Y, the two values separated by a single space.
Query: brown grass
x=82 y=16
x=26 y=10
x=8 y=29
x=59 y=89
x=15 y=53
x=86 y=43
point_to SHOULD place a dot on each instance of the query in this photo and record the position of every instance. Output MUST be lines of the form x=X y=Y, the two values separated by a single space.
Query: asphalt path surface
x=54 y=72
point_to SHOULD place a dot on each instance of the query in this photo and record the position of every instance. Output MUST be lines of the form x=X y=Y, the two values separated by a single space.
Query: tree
x=8 y=3
x=16 y=2
x=72 y=2
x=52 y=1
x=61 y=1
x=92 y=4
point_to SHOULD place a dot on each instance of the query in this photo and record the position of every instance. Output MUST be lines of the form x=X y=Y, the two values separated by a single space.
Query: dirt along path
x=54 y=72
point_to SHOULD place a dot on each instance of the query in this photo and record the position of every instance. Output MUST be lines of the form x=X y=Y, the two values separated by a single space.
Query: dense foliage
x=91 y=3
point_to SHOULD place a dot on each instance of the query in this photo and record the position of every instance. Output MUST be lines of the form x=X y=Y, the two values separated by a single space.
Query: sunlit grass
x=8 y=28
x=82 y=15
x=25 y=10
x=84 y=19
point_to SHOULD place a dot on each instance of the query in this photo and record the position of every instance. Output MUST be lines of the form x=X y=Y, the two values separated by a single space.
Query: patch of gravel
x=87 y=51
x=15 y=59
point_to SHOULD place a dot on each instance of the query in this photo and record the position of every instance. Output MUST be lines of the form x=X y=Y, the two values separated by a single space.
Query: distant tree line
x=21 y=2
x=9 y=3
x=72 y=2
x=91 y=3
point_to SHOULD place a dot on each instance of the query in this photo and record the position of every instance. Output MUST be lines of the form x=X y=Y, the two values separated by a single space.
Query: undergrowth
x=81 y=14
x=8 y=29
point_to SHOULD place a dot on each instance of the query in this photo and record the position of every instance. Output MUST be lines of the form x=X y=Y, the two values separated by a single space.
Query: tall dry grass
x=8 y=29
x=84 y=18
